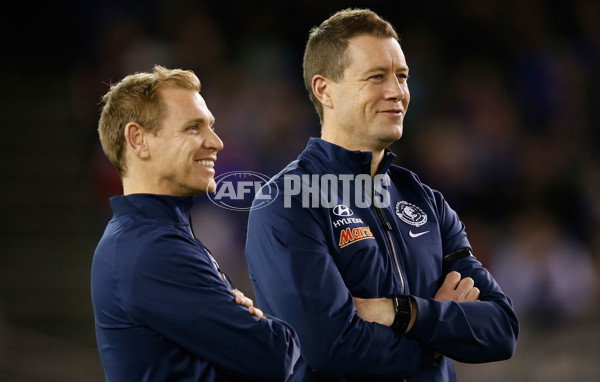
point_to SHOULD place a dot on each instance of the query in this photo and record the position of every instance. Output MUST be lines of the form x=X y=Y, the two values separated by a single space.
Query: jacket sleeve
x=472 y=332
x=294 y=276
x=176 y=291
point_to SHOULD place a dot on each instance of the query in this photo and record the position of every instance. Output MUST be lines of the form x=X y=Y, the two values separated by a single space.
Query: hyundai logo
x=342 y=210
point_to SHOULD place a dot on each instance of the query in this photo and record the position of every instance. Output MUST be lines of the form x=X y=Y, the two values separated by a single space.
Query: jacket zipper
x=388 y=230
x=228 y=280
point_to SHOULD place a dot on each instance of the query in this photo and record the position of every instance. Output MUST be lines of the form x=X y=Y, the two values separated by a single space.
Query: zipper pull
x=383 y=219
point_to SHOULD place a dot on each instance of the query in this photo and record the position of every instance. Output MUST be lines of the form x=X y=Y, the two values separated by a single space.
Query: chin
x=210 y=187
x=397 y=134
x=390 y=132
x=199 y=190
x=390 y=139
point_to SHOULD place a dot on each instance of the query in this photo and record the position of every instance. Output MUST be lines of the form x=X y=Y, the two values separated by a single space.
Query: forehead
x=184 y=104
x=369 y=52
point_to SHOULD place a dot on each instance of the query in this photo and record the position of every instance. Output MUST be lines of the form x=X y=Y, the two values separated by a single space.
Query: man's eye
x=377 y=77
x=193 y=127
x=404 y=76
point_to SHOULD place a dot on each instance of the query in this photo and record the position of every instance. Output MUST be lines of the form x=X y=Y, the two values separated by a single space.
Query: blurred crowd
x=504 y=119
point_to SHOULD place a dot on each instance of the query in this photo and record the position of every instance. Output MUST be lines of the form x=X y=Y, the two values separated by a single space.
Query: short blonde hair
x=326 y=51
x=136 y=99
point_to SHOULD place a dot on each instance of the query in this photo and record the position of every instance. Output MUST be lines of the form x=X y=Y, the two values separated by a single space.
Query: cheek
x=182 y=149
x=370 y=98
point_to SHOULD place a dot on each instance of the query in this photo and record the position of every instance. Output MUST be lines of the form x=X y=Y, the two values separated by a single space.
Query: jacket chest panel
x=359 y=251
x=362 y=250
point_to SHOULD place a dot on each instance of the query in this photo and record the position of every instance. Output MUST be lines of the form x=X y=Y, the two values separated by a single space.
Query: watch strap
x=402 y=312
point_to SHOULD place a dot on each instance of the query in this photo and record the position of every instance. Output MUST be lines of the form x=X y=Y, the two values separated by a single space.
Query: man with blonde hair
x=164 y=310
x=371 y=266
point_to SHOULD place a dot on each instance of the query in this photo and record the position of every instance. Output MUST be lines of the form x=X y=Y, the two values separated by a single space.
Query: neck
x=134 y=183
x=376 y=161
x=342 y=141
x=132 y=187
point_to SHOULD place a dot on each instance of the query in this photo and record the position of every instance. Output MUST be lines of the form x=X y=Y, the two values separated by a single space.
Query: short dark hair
x=326 y=50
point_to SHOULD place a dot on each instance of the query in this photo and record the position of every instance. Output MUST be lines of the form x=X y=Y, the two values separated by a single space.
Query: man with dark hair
x=371 y=266
x=164 y=310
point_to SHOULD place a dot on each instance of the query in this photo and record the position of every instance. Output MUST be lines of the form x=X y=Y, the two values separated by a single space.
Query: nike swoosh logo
x=413 y=235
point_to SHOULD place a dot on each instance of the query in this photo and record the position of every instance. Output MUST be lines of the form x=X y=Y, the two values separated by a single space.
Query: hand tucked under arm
x=380 y=310
x=245 y=301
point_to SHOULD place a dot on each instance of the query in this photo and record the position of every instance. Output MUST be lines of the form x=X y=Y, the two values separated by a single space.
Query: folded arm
x=296 y=278
x=180 y=296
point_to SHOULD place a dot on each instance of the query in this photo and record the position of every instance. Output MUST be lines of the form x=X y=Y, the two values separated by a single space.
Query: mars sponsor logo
x=352 y=235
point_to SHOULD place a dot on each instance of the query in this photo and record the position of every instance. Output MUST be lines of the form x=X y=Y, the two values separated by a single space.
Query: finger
x=258 y=313
x=451 y=281
x=465 y=286
x=473 y=295
x=255 y=312
x=243 y=301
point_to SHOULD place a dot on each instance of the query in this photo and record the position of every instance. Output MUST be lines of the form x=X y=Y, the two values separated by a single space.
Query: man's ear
x=136 y=138
x=321 y=87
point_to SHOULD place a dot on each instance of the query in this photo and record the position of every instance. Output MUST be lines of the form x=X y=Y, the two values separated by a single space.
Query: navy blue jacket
x=165 y=312
x=307 y=262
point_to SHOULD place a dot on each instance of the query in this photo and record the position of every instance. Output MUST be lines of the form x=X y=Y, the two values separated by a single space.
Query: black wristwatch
x=402 y=312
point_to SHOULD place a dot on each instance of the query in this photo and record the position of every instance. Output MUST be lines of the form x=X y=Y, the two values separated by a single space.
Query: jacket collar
x=169 y=209
x=326 y=157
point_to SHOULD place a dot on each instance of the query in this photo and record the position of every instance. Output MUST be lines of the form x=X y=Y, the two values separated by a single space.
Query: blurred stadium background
x=504 y=120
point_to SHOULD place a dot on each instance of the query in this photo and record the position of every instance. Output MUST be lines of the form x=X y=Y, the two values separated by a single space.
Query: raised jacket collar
x=333 y=159
x=168 y=209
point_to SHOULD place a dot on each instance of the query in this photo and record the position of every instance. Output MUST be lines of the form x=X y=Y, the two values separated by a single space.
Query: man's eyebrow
x=379 y=69
x=201 y=120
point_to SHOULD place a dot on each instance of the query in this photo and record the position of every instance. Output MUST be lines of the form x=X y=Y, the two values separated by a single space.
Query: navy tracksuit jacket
x=307 y=262
x=163 y=309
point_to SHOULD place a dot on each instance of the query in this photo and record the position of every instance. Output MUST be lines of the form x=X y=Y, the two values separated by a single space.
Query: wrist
x=413 y=316
x=403 y=313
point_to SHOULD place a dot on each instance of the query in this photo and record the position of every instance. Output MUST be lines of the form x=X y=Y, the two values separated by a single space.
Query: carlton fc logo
x=342 y=210
x=410 y=214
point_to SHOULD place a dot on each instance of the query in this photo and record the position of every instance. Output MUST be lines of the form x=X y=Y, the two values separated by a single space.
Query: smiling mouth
x=206 y=163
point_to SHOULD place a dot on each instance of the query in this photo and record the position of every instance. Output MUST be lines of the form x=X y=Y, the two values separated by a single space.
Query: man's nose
x=396 y=89
x=212 y=141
